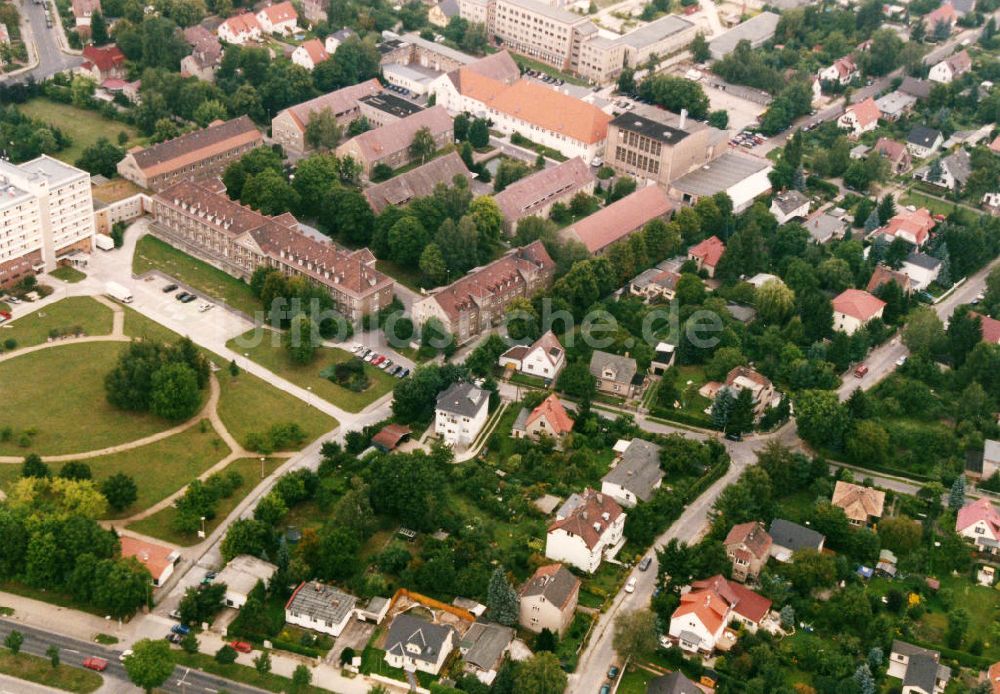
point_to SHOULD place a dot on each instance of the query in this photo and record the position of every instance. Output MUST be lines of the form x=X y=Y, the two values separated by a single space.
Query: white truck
x=116 y=291
x=104 y=242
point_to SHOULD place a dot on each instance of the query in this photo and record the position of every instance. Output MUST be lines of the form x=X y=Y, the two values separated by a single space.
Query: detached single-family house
x=841 y=72
x=700 y=623
x=615 y=374
x=280 y=19
x=951 y=68
x=990 y=328
x=414 y=644
x=979 y=521
x=860 y=118
x=548 y=599
x=83 y=10
x=334 y=40
x=654 y=283
x=852 y=308
x=241 y=574
x=102 y=64
x=922 y=269
x=310 y=54
x=707 y=254
x=954 y=171
x=587 y=527
x=460 y=414
x=549 y=419
x=544 y=358
x=945 y=14
x=748 y=545
x=636 y=475
x=862 y=505
x=788 y=537
x=896 y=153
x=895 y=105
x=674 y=683
x=913 y=226
x=789 y=205
x=160 y=560
x=320 y=607
x=920 y=669
x=239 y=29
x=884 y=274
x=923 y=141
x=483 y=648
x=745 y=378
x=991 y=203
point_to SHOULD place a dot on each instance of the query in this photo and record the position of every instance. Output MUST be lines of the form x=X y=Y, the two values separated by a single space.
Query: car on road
x=613 y=673
x=644 y=564
x=180 y=629
x=95 y=663
x=241 y=646
x=125 y=654
x=732 y=436
x=170 y=288
x=205 y=307
x=861 y=371
x=605 y=688
x=175 y=614
x=630 y=586
x=188 y=299
x=901 y=360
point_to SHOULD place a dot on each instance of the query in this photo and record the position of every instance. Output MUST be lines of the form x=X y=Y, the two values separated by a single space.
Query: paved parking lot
x=742 y=112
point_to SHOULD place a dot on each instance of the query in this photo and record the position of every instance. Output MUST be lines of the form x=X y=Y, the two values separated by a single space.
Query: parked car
x=901 y=360
x=365 y=352
x=861 y=371
x=398 y=369
x=5 y=316
x=241 y=646
x=170 y=288
x=406 y=372
x=174 y=638
x=125 y=654
x=644 y=564
x=357 y=348
x=630 y=586
x=385 y=365
x=188 y=299
x=734 y=437
x=95 y=663
x=613 y=673
x=175 y=614
x=605 y=688
x=206 y=307
x=180 y=629
x=181 y=296
x=371 y=356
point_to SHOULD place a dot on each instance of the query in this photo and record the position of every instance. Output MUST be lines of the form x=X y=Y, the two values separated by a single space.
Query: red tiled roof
x=587 y=520
x=243 y=23
x=995 y=145
x=397 y=136
x=946 y=13
x=620 y=218
x=857 y=304
x=219 y=137
x=858 y=502
x=746 y=372
x=979 y=510
x=390 y=436
x=154 y=557
x=993 y=675
x=315 y=50
x=712 y=598
x=917 y=223
x=282 y=12
x=890 y=149
x=753 y=536
x=554 y=413
x=339 y=101
x=106 y=58
x=709 y=251
x=884 y=275
x=866 y=112
x=990 y=328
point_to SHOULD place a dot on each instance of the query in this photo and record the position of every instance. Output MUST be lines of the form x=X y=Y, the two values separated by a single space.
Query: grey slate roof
x=959 y=163
x=756 y=30
x=639 y=469
x=557 y=586
x=656 y=31
x=321 y=602
x=624 y=367
x=429 y=638
x=720 y=175
x=921 y=672
x=928 y=262
x=674 y=683
x=794 y=536
x=463 y=399
x=916 y=87
x=522 y=419
x=790 y=200
x=485 y=644
x=922 y=136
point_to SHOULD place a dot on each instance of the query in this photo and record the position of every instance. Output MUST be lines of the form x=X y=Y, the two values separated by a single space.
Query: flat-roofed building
x=385 y=108
x=199 y=154
x=743 y=177
x=757 y=30
x=416 y=183
x=390 y=144
x=288 y=128
x=535 y=195
x=661 y=37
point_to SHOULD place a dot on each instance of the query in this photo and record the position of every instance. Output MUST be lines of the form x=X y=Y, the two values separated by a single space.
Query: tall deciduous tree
x=150 y=664
x=635 y=634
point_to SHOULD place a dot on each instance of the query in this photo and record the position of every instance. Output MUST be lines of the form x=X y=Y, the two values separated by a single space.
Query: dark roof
x=974 y=461
x=485 y=644
x=923 y=136
x=554 y=581
x=921 y=672
x=661 y=132
x=794 y=536
x=463 y=399
x=923 y=260
x=674 y=683
x=203 y=143
x=624 y=368
x=916 y=87
x=639 y=469
x=417 y=183
x=429 y=638
x=389 y=437
x=390 y=103
x=321 y=602
x=790 y=200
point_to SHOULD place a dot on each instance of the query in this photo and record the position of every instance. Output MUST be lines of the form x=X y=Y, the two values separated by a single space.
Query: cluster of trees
x=289 y=299
x=27 y=138
x=156 y=377
x=200 y=499
x=675 y=93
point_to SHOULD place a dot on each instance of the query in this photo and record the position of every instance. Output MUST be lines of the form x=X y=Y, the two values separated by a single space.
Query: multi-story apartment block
x=46 y=213
x=478 y=300
x=288 y=128
x=200 y=219
x=199 y=154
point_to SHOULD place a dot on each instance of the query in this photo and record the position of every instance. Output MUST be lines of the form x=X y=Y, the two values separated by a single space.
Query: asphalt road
x=73 y=652
x=51 y=58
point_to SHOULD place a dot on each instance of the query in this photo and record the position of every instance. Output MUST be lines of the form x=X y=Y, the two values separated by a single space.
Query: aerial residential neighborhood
x=500 y=346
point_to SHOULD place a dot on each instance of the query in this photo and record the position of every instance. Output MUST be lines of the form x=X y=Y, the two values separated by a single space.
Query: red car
x=95 y=663
x=378 y=360
x=241 y=646
x=4 y=316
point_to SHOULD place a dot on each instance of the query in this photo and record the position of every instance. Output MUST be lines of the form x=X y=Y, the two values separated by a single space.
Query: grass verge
x=32 y=668
x=241 y=673
x=68 y=274
x=82 y=125
x=75 y=311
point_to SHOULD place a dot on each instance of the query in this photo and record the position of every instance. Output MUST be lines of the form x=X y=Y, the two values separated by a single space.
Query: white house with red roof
x=860 y=118
x=587 y=528
x=101 y=64
x=158 y=559
x=544 y=358
x=951 y=68
x=310 y=54
x=239 y=29
x=707 y=254
x=913 y=226
x=548 y=419
x=748 y=546
x=281 y=19
x=699 y=623
x=841 y=72
x=852 y=308
x=979 y=521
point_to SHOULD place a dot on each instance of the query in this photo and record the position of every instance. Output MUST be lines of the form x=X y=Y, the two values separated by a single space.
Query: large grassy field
x=75 y=311
x=160 y=524
x=85 y=127
x=59 y=393
x=153 y=254
x=274 y=357
x=32 y=668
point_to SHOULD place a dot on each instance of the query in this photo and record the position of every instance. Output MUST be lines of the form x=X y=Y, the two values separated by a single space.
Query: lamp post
x=262 y=467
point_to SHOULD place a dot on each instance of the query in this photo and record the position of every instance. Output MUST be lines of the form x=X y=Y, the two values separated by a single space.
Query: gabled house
x=636 y=475
x=615 y=374
x=954 y=171
x=83 y=10
x=280 y=19
x=334 y=40
x=990 y=328
x=544 y=358
x=920 y=669
x=548 y=419
x=309 y=54
x=674 y=683
x=860 y=118
x=241 y=575
x=789 y=205
x=319 y=607
x=921 y=269
x=414 y=644
x=654 y=283
x=620 y=219
x=745 y=378
x=862 y=505
x=895 y=105
x=979 y=521
x=160 y=560
x=102 y=64
x=535 y=194
x=461 y=413
x=923 y=141
x=884 y=274
x=921 y=89
x=700 y=622
x=788 y=537
x=913 y=226
x=852 y=308
x=483 y=648
x=239 y=29
x=206 y=52
x=390 y=144
x=951 y=68
x=707 y=254
x=896 y=153
x=548 y=599
x=748 y=545
x=841 y=72
x=945 y=14
x=587 y=528
x=416 y=183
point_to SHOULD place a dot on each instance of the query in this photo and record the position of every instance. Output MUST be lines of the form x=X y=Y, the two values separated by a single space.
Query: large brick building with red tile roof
x=619 y=219
x=289 y=127
x=390 y=144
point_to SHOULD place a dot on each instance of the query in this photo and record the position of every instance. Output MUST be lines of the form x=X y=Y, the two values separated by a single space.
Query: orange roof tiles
x=990 y=328
x=620 y=218
x=554 y=413
x=587 y=520
x=866 y=112
x=709 y=251
x=857 y=304
x=917 y=224
x=282 y=12
x=315 y=50
x=154 y=557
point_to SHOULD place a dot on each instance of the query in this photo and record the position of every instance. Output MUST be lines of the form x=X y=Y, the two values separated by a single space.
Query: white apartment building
x=46 y=212
x=588 y=528
x=461 y=413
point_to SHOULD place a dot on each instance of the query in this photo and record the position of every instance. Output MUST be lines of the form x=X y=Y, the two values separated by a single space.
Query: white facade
x=238 y=30
x=847 y=324
x=922 y=152
x=920 y=276
x=573 y=550
x=978 y=531
x=692 y=626
x=459 y=429
x=302 y=57
x=283 y=24
x=941 y=73
x=305 y=621
x=850 y=121
x=785 y=217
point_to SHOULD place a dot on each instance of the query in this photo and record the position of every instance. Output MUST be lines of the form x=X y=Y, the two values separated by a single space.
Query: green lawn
x=153 y=254
x=407 y=275
x=528 y=63
x=82 y=125
x=32 y=668
x=160 y=524
x=68 y=274
x=76 y=311
x=138 y=325
x=273 y=357
x=917 y=199
x=59 y=393
x=241 y=673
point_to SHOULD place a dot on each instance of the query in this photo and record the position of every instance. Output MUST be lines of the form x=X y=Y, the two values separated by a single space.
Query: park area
x=71 y=315
x=83 y=126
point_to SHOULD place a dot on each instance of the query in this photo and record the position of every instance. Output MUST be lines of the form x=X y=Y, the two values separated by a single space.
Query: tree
x=540 y=674
x=502 y=599
x=719 y=119
x=626 y=82
x=226 y=655
x=210 y=110
x=722 y=408
x=34 y=467
x=674 y=94
x=863 y=678
x=423 y=144
x=787 y=616
x=14 y=641
x=120 y=490
x=546 y=641
x=956 y=498
x=635 y=634
x=924 y=332
x=101 y=158
x=741 y=419
x=900 y=534
x=189 y=643
x=149 y=664
x=432 y=265
x=175 y=394
x=509 y=171
x=964 y=333
x=301 y=677
x=774 y=301
x=479 y=133
x=74 y=470
x=52 y=652
x=323 y=132
x=821 y=418
x=98 y=29
x=301 y=340
x=262 y=663
x=699 y=48
x=958 y=624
